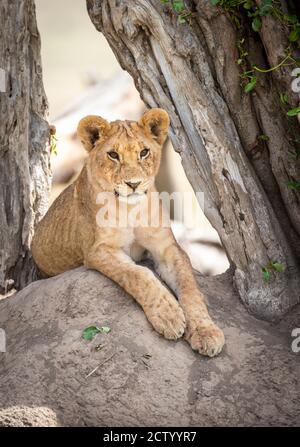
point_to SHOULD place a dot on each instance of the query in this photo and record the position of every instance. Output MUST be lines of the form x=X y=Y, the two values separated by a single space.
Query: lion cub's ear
x=157 y=122
x=90 y=129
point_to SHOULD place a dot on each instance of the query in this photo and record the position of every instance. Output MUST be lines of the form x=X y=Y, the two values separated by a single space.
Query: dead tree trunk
x=24 y=137
x=236 y=147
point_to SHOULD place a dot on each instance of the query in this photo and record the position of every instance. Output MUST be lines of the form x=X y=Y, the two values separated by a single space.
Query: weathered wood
x=24 y=136
x=190 y=70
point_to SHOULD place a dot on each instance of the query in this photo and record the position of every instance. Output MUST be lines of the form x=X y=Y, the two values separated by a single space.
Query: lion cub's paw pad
x=171 y=325
x=207 y=340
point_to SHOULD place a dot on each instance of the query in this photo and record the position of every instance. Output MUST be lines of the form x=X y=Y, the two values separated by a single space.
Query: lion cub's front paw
x=167 y=318
x=208 y=339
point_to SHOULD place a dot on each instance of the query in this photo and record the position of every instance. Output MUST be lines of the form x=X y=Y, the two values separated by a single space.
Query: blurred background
x=82 y=77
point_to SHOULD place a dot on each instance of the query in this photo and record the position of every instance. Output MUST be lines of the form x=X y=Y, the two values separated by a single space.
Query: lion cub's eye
x=144 y=153
x=113 y=155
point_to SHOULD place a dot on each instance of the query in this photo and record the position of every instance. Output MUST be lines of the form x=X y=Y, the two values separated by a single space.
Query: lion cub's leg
x=174 y=267
x=159 y=305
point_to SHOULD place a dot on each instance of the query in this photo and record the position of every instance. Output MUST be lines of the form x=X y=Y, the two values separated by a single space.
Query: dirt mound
x=131 y=376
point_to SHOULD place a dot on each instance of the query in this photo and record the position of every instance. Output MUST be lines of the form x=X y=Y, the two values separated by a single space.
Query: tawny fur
x=69 y=235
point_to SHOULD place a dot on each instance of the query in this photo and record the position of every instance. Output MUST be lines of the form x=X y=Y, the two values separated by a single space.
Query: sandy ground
x=132 y=376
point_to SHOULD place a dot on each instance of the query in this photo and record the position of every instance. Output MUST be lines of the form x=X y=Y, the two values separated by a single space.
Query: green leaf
x=265 y=9
x=90 y=332
x=277 y=266
x=184 y=17
x=105 y=329
x=284 y=99
x=272 y=265
x=251 y=85
x=178 y=6
x=263 y=137
x=248 y=4
x=294 y=186
x=293 y=112
x=215 y=2
x=266 y=3
x=294 y=34
x=290 y=18
x=256 y=24
x=266 y=274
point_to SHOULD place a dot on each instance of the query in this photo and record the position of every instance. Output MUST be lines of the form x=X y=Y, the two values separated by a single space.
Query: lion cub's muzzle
x=132 y=188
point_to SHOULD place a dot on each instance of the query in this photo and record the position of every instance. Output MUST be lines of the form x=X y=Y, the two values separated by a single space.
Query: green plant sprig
x=236 y=10
x=293 y=185
x=178 y=6
x=271 y=267
x=255 y=13
x=281 y=64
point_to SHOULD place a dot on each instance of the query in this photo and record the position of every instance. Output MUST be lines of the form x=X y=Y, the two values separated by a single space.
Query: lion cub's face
x=125 y=155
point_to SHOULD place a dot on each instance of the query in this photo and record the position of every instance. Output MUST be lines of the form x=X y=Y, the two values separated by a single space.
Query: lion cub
x=124 y=158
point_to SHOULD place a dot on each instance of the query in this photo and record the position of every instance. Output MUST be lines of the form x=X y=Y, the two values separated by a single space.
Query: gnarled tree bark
x=190 y=70
x=24 y=137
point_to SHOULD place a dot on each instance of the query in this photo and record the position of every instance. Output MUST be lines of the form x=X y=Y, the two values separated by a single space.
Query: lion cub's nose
x=133 y=185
